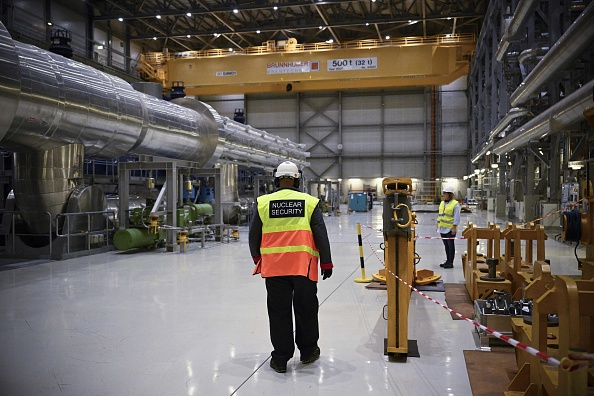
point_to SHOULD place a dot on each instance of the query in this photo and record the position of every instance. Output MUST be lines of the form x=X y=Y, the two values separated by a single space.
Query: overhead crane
x=288 y=66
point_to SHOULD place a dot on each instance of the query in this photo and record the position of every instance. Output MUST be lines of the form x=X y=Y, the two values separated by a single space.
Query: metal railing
x=14 y=234
x=157 y=59
x=88 y=232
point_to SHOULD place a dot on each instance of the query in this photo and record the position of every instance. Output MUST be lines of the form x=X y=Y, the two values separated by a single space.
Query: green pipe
x=134 y=238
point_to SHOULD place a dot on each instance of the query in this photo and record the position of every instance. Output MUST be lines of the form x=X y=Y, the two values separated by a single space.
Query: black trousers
x=297 y=294
x=450 y=248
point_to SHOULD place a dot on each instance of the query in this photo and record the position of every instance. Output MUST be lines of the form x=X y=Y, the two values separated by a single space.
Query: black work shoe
x=315 y=355
x=448 y=266
x=277 y=367
x=443 y=265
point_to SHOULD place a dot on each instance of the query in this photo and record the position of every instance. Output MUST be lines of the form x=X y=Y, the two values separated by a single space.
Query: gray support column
x=555 y=169
x=171 y=177
x=123 y=193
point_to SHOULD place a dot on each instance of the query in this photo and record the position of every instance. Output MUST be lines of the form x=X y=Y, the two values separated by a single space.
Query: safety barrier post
x=363 y=278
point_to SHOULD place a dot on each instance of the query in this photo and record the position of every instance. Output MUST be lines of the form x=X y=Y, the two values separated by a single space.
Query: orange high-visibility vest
x=288 y=246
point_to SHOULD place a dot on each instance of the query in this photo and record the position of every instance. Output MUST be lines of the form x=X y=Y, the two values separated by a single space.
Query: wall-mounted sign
x=352 y=64
x=226 y=73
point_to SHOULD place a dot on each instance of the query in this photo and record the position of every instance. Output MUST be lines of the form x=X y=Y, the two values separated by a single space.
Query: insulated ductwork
x=49 y=101
x=521 y=15
x=561 y=115
x=576 y=39
x=52 y=105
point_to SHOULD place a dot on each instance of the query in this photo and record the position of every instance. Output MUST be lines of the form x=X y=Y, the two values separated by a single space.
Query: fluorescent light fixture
x=121 y=19
x=258 y=31
x=158 y=16
x=235 y=10
x=494 y=166
x=100 y=47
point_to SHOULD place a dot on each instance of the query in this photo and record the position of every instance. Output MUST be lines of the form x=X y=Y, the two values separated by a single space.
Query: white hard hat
x=448 y=189
x=287 y=169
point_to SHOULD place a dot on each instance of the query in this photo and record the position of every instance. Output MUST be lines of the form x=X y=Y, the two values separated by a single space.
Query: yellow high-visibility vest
x=288 y=246
x=445 y=218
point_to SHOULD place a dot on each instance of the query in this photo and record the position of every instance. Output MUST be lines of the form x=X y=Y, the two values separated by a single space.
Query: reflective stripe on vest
x=288 y=247
x=445 y=218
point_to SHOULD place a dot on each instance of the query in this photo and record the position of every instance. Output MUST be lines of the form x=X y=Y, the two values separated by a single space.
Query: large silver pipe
x=577 y=38
x=49 y=101
x=521 y=14
x=562 y=114
x=502 y=125
x=511 y=115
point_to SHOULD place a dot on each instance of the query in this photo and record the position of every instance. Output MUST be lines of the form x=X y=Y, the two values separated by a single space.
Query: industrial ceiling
x=182 y=25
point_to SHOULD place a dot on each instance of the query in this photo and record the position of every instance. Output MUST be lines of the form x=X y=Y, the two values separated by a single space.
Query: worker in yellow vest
x=448 y=220
x=287 y=238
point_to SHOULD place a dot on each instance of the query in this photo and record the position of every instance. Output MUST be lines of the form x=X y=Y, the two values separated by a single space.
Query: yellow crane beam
x=299 y=68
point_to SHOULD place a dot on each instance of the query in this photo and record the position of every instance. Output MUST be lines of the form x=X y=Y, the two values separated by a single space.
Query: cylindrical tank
x=131 y=238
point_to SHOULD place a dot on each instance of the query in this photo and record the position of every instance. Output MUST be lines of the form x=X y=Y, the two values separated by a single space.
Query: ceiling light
x=494 y=166
x=189 y=14
x=235 y=10
x=188 y=36
x=449 y=18
x=330 y=41
x=154 y=38
x=275 y=8
x=321 y=27
x=387 y=37
x=121 y=19
x=509 y=163
x=230 y=49
x=49 y=24
x=158 y=16
x=258 y=31
x=367 y=24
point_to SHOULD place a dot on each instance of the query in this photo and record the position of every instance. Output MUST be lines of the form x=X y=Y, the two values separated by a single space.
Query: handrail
x=88 y=231
x=447 y=39
x=13 y=233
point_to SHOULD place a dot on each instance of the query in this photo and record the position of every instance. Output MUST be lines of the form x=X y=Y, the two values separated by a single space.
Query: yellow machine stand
x=399 y=255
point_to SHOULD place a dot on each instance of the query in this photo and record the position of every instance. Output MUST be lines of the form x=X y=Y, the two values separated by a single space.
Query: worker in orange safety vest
x=287 y=238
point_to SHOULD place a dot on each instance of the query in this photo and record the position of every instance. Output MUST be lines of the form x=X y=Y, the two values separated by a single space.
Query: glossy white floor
x=156 y=323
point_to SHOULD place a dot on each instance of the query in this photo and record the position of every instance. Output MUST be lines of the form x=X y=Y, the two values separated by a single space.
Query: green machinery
x=146 y=231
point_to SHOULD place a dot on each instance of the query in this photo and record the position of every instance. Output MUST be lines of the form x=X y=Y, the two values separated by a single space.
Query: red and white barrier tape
x=416 y=236
x=535 y=352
